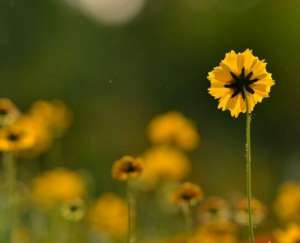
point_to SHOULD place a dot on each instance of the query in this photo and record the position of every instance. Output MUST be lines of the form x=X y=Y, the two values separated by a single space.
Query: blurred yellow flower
x=55 y=115
x=127 y=168
x=287 y=203
x=18 y=136
x=240 y=79
x=57 y=186
x=187 y=194
x=109 y=216
x=173 y=128
x=164 y=163
x=259 y=211
x=9 y=113
x=218 y=232
x=214 y=209
x=290 y=235
x=73 y=210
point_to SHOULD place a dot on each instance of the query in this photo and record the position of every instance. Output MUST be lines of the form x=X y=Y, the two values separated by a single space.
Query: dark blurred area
x=116 y=73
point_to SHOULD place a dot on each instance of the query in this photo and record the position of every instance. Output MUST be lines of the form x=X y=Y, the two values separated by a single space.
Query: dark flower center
x=130 y=168
x=3 y=112
x=297 y=241
x=73 y=208
x=187 y=196
x=13 y=137
x=240 y=84
x=213 y=211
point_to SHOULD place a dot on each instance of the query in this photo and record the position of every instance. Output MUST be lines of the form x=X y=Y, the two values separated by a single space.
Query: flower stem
x=10 y=173
x=131 y=214
x=187 y=217
x=248 y=175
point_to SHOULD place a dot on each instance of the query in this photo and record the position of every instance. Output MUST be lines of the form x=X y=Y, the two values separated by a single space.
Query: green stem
x=187 y=217
x=131 y=214
x=10 y=173
x=248 y=174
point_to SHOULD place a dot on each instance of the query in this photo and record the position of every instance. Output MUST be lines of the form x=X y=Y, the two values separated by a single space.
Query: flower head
x=9 y=113
x=127 y=168
x=73 y=210
x=109 y=216
x=290 y=235
x=187 y=194
x=173 y=128
x=17 y=137
x=259 y=211
x=287 y=203
x=164 y=163
x=54 y=115
x=217 y=232
x=214 y=209
x=240 y=82
x=56 y=187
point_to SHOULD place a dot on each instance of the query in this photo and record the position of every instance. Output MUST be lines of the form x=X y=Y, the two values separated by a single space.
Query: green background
x=116 y=78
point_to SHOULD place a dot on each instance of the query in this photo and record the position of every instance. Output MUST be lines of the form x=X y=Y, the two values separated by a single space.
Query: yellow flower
x=55 y=115
x=290 y=235
x=214 y=209
x=219 y=232
x=109 y=216
x=240 y=79
x=9 y=113
x=73 y=210
x=164 y=163
x=287 y=203
x=17 y=137
x=20 y=235
x=174 y=129
x=258 y=211
x=57 y=186
x=187 y=194
x=127 y=168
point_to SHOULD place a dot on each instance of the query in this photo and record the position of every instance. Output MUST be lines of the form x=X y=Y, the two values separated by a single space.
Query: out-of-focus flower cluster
x=61 y=206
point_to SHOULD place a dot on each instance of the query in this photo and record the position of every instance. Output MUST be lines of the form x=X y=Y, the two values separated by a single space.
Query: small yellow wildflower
x=240 y=79
x=57 y=186
x=214 y=209
x=287 y=203
x=55 y=115
x=109 y=216
x=258 y=211
x=9 y=113
x=187 y=194
x=17 y=137
x=73 y=210
x=173 y=128
x=164 y=163
x=290 y=235
x=126 y=168
x=218 y=232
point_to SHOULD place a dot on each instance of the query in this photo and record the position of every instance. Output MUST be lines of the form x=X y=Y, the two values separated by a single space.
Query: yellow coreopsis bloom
x=17 y=137
x=164 y=163
x=173 y=128
x=187 y=194
x=218 y=232
x=109 y=216
x=127 y=168
x=240 y=82
x=57 y=186
x=290 y=235
x=54 y=115
x=287 y=203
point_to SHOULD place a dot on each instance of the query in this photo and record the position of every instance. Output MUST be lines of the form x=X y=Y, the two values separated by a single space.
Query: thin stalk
x=186 y=209
x=249 y=173
x=10 y=173
x=131 y=238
